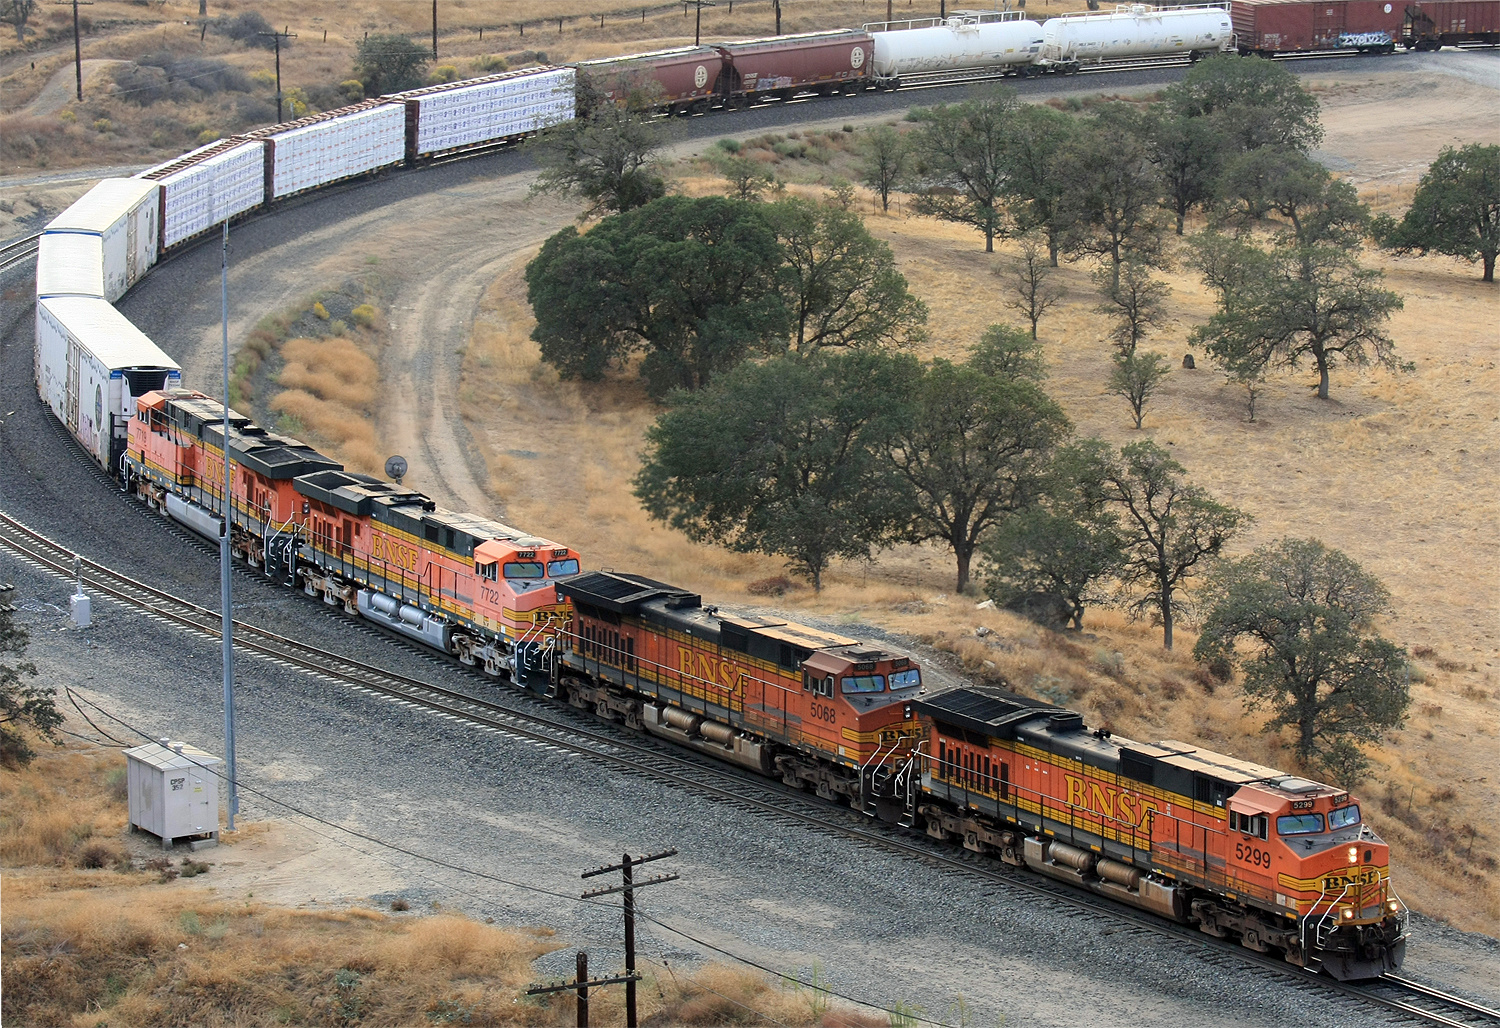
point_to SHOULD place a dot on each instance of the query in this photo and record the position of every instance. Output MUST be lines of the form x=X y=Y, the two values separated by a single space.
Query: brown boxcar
x=783 y=66
x=1290 y=26
x=687 y=76
x=1434 y=23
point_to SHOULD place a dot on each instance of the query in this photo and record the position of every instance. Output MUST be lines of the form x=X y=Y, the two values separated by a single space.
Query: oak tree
x=1134 y=300
x=1113 y=191
x=961 y=169
x=839 y=283
x=609 y=157
x=690 y=283
x=1456 y=209
x=783 y=457
x=884 y=159
x=1008 y=352
x=1170 y=527
x=1136 y=376
x=1033 y=293
x=1251 y=103
x=1297 y=619
x=970 y=448
x=1039 y=138
x=23 y=705
x=389 y=63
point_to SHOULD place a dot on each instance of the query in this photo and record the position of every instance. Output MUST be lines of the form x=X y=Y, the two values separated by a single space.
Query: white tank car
x=957 y=44
x=1135 y=30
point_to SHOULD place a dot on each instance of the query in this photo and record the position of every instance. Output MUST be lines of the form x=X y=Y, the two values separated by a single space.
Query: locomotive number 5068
x=823 y=712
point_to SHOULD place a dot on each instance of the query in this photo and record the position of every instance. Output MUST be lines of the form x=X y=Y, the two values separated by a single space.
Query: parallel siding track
x=527 y=717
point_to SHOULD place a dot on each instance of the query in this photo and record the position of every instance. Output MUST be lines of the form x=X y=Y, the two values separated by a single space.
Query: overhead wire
x=461 y=869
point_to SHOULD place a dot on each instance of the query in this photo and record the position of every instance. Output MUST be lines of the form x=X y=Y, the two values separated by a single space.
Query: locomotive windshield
x=864 y=683
x=1344 y=816
x=905 y=679
x=561 y=568
x=1299 y=824
x=524 y=569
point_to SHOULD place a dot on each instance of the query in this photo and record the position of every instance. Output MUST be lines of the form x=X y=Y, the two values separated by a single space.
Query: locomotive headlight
x=1393 y=906
x=1353 y=855
x=1348 y=914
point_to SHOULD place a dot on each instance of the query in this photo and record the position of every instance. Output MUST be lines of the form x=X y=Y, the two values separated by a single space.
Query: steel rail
x=720 y=782
x=18 y=251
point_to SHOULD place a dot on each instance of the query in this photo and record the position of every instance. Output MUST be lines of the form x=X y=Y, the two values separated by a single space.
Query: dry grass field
x=1398 y=470
x=100 y=930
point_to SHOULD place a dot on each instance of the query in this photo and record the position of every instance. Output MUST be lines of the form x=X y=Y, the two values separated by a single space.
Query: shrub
x=729 y=145
x=246 y=28
x=353 y=90
x=263 y=77
x=490 y=64
x=338 y=327
x=97 y=854
x=400 y=904
x=443 y=73
x=208 y=136
x=364 y=315
x=69 y=117
x=776 y=585
x=103 y=125
x=319 y=310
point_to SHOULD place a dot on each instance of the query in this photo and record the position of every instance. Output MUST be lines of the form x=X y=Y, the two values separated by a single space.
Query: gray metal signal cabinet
x=173 y=790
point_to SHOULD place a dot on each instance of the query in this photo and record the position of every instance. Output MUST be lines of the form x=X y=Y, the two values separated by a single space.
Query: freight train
x=1280 y=863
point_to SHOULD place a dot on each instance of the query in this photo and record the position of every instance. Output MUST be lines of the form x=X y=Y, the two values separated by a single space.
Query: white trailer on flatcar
x=91 y=364
x=506 y=106
x=1136 y=30
x=209 y=185
x=960 y=43
x=120 y=214
x=335 y=145
x=69 y=264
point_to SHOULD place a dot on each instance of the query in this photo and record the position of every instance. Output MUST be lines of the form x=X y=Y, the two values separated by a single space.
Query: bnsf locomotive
x=1282 y=864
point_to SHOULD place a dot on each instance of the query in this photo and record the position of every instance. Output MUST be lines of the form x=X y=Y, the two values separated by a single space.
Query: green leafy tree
x=691 y=283
x=883 y=161
x=1007 y=352
x=610 y=158
x=1318 y=208
x=1310 y=303
x=23 y=705
x=747 y=177
x=972 y=447
x=1066 y=546
x=1136 y=377
x=1188 y=154
x=1456 y=209
x=962 y=172
x=1113 y=191
x=1134 y=300
x=1228 y=264
x=388 y=63
x=1033 y=294
x=1250 y=103
x=1297 y=620
x=1170 y=528
x=783 y=458
x=1038 y=140
x=839 y=284
x=18 y=13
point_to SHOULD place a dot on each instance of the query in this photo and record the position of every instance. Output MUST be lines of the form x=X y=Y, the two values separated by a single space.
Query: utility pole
x=434 y=30
x=776 y=6
x=226 y=555
x=581 y=985
x=628 y=886
x=278 y=37
x=698 y=23
x=77 y=46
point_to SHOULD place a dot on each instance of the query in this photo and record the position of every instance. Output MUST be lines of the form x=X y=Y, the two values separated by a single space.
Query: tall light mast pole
x=225 y=555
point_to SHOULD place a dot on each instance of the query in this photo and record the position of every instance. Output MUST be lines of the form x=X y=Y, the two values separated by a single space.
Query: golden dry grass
x=123 y=948
x=328 y=391
x=1398 y=470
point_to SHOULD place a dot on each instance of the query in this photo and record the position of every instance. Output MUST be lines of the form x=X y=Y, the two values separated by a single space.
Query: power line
x=571 y=897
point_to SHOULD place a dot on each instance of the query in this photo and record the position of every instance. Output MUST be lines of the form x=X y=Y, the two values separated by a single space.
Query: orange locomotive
x=1282 y=863
x=822 y=711
x=469 y=586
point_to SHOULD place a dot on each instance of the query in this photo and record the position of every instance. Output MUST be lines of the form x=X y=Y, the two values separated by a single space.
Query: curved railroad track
x=18 y=252
x=531 y=718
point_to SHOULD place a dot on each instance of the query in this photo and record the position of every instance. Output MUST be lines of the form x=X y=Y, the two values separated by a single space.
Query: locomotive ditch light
x=1348 y=914
x=1393 y=906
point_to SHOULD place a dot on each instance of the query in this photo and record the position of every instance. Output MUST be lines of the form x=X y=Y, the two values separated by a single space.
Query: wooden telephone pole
x=581 y=984
x=77 y=46
x=278 y=37
x=628 y=886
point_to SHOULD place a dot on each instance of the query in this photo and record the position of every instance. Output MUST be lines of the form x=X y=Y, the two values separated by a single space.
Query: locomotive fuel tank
x=956 y=44
x=1136 y=30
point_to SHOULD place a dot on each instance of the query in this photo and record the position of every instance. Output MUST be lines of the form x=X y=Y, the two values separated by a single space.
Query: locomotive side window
x=827 y=689
x=1344 y=816
x=1299 y=824
x=490 y=571
x=1249 y=824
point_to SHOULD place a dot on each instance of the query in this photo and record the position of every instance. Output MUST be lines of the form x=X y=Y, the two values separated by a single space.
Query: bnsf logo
x=1108 y=801
x=392 y=552
x=708 y=668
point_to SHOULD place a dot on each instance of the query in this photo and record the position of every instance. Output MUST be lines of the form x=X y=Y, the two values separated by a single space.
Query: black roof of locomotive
x=264 y=452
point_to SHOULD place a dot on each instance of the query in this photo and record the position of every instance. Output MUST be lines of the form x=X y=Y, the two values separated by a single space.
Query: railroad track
x=537 y=720
x=12 y=254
